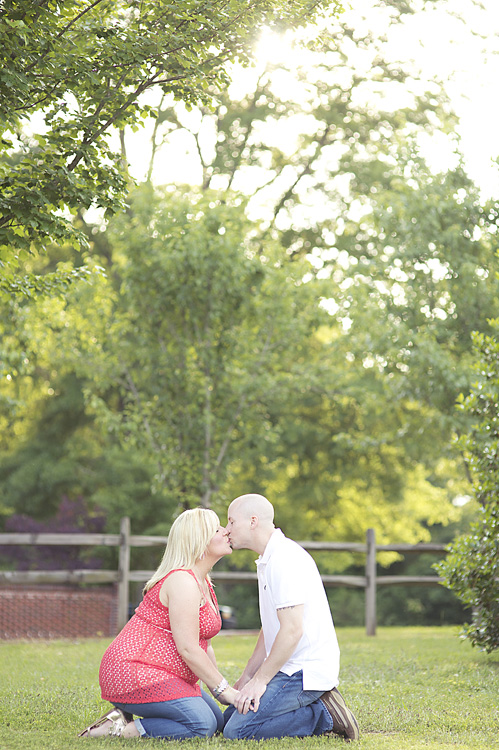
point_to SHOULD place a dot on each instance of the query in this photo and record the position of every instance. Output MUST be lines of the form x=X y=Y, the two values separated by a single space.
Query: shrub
x=73 y=517
x=471 y=569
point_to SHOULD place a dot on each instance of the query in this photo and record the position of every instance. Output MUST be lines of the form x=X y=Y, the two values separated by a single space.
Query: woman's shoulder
x=179 y=585
x=180 y=577
x=181 y=572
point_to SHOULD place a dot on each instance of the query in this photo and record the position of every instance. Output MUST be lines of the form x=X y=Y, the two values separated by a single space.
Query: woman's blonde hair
x=188 y=539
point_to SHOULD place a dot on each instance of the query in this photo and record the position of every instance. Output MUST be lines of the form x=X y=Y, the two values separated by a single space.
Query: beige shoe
x=119 y=720
x=344 y=722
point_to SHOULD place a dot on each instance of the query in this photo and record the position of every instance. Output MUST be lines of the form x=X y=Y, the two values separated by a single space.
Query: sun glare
x=274 y=48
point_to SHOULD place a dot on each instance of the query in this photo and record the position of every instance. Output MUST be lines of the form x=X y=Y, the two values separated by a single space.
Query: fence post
x=371 y=582
x=123 y=572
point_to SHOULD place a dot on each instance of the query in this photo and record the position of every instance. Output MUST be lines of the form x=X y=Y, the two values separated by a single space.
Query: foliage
x=404 y=257
x=201 y=335
x=50 y=446
x=297 y=130
x=207 y=361
x=72 y=517
x=71 y=73
x=472 y=568
x=64 y=453
x=424 y=259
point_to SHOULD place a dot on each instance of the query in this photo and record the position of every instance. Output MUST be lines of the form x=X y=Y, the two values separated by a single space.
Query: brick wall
x=57 y=612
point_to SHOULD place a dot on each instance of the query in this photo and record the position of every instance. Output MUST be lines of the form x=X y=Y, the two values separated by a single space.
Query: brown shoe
x=344 y=722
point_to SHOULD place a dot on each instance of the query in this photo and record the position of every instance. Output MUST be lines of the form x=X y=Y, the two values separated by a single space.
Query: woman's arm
x=211 y=653
x=181 y=595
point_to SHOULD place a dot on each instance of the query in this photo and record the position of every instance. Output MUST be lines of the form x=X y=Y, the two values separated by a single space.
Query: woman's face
x=219 y=545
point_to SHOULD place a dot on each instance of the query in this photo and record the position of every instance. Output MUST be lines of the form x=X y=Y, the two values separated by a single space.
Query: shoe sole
x=344 y=722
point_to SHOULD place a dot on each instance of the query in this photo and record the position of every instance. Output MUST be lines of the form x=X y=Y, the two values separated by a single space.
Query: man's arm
x=286 y=641
x=254 y=662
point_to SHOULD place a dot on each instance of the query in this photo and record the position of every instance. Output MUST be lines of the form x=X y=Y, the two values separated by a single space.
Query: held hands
x=241 y=682
x=228 y=697
x=248 y=697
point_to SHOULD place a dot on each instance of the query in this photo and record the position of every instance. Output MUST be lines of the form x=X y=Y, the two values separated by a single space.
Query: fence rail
x=123 y=576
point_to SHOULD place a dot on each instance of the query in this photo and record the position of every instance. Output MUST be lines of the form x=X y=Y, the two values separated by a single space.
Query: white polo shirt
x=288 y=575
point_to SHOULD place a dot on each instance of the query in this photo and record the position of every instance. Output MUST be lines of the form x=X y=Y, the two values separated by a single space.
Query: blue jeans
x=178 y=719
x=285 y=710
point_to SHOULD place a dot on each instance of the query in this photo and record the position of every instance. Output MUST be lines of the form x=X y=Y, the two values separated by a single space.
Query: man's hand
x=249 y=696
x=241 y=682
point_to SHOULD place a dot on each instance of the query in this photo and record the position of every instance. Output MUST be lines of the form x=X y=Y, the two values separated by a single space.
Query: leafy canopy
x=71 y=73
x=201 y=335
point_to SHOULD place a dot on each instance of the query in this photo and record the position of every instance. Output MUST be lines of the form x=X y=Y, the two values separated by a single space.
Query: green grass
x=409 y=687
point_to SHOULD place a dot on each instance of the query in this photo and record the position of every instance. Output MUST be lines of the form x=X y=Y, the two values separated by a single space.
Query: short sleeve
x=287 y=575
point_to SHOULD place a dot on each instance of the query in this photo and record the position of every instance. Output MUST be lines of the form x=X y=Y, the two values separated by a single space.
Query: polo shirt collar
x=272 y=544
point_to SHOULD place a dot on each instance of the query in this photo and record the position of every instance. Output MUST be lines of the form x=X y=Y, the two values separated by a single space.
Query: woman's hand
x=228 y=697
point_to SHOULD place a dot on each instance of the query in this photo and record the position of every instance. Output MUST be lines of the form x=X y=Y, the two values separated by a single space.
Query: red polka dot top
x=142 y=664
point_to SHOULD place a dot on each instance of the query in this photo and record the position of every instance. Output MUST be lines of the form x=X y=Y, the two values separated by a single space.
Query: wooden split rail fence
x=124 y=576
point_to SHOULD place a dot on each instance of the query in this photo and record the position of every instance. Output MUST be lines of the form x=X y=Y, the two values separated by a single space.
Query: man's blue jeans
x=179 y=719
x=285 y=710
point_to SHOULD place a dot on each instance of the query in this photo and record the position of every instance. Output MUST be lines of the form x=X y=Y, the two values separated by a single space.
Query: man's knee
x=230 y=733
x=233 y=732
x=239 y=727
x=232 y=726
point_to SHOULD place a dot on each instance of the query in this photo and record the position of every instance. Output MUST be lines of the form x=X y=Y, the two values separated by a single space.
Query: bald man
x=288 y=688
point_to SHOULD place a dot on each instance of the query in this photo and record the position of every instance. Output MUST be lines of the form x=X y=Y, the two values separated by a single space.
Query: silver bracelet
x=218 y=690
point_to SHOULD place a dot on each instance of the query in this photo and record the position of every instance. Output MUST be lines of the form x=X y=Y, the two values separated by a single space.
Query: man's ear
x=253 y=522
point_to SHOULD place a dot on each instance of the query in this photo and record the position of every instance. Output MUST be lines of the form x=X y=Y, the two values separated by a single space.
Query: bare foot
x=104 y=729
x=131 y=730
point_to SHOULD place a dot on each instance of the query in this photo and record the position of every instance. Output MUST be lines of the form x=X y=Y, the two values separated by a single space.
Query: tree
x=350 y=440
x=213 y=368
x=471 y=569
x=303 y=127
x=404 y=254
x=199 y=335
x=71 y=73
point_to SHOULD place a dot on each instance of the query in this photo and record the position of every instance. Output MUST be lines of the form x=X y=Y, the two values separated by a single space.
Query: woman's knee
x=206 y=727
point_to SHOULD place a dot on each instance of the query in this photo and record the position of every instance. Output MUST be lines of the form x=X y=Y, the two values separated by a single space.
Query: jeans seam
x=290 y=678
x=255 y=726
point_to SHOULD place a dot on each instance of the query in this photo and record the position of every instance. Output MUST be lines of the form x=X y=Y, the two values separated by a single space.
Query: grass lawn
x=409 y=687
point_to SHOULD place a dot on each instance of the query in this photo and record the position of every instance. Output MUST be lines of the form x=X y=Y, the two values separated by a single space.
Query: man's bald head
x=250 y=522
x=254 y=505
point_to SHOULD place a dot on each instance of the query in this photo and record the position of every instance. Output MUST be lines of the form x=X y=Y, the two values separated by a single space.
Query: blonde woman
x=152 y=668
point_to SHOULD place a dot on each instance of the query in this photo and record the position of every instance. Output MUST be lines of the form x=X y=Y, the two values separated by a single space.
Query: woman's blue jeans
x=178 y=719
x=285 y=710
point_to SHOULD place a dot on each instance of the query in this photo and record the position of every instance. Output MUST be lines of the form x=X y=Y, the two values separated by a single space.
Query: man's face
x=238 y=528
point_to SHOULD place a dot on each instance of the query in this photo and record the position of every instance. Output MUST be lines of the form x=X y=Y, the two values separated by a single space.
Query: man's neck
x=263 y=540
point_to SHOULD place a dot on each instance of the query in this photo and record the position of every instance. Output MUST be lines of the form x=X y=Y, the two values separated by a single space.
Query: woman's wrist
x=220 y=688
x=228 y=696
